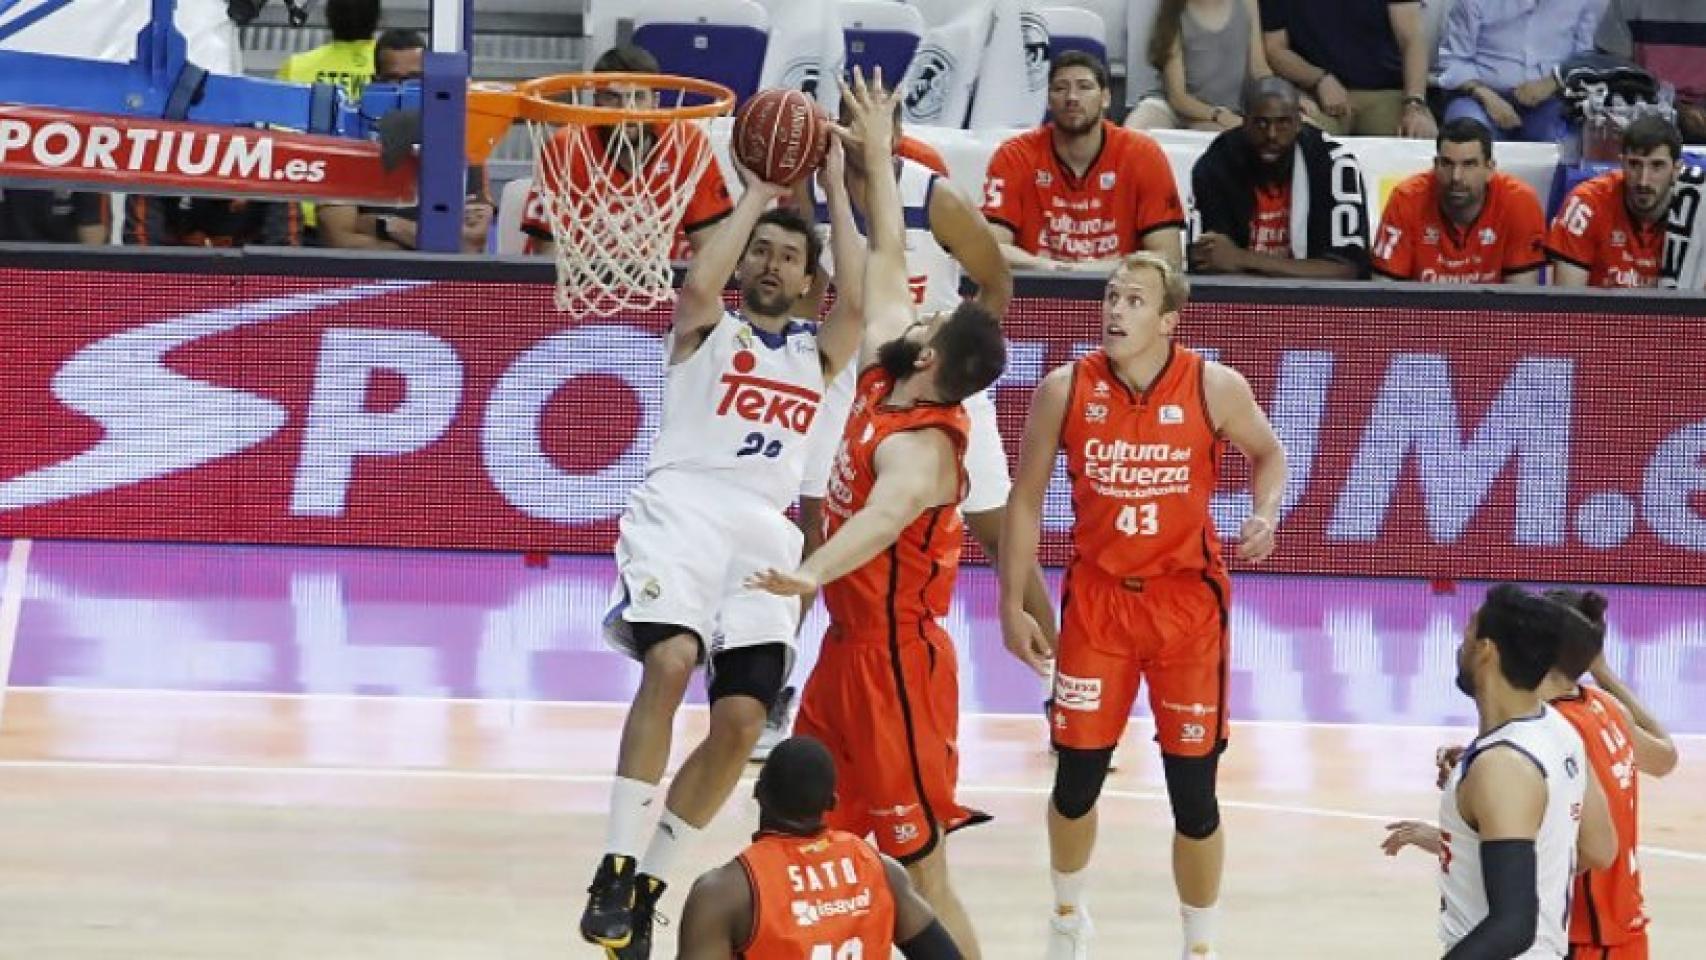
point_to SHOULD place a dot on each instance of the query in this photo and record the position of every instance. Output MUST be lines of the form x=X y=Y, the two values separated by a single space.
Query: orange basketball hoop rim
x=493 y=108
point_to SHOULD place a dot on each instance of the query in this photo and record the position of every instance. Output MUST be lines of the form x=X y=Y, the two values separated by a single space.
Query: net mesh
x=613 y=196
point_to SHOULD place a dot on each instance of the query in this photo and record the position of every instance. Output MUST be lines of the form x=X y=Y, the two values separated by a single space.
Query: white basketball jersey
x=740 y=407
x=932 y=273
x=1554 y=746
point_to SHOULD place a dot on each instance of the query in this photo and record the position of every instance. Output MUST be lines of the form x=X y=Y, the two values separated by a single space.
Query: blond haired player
x=1142 y=422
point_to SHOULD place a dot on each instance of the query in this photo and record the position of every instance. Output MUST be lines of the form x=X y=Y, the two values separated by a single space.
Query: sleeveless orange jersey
x=1143 y=467
x=824 y=897
x=913 y=580
x=1606 y=907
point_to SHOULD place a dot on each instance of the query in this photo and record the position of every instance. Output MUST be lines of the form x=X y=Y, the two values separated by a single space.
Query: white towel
x=1683 y=264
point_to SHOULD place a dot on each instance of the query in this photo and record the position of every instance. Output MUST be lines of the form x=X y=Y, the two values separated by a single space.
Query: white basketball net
x=614 y=228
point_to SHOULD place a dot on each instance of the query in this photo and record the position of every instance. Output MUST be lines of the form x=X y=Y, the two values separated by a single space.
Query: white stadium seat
x=1075 y=28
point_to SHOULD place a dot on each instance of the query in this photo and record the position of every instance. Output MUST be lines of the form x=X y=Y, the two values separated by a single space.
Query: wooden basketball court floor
x=234 y=752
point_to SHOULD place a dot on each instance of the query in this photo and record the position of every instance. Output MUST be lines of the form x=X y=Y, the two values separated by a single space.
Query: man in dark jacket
x=1276 y=198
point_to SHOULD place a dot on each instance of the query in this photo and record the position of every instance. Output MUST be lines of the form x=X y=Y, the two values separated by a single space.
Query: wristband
x=1415 y=101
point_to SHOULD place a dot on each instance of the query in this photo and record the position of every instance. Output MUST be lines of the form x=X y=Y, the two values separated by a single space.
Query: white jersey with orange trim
x=931 y=272
x=1553 y=746
x=740 y=408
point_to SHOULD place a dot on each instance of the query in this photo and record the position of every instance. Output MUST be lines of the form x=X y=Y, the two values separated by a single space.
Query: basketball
x=781 y=135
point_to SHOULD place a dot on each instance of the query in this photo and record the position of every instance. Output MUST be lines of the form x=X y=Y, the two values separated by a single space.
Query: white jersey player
x=1546 y=740
x=744 y=390
x=1521 y=809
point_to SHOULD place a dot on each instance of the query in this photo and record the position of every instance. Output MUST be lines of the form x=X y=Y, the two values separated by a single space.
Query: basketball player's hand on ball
x=1410 y=833
x=1026 y=640
x=1255 y=539
x=771 y=192
x=796 y=583
x=1444 y=759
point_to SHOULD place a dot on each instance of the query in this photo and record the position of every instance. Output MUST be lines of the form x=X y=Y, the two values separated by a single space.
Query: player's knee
x=1191 y=790
x=1078 y=777
x=669 y=659
x=737 y=722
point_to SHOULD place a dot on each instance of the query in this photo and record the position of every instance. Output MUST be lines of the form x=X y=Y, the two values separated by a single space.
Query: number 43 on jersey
x=1138 y=520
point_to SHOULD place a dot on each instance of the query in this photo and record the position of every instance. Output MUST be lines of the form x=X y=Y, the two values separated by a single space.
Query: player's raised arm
x=700 y=303
x=888 y=298
x=1504 y=797
x=1240 y=419
x=1022 y=529
x=838 y=338
x=1655 y=751
x=911 y=468
x=717 y=907
x=961 y=229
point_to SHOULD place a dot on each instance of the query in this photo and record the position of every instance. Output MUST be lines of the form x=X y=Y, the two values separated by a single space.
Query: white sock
x=1068 y=891
x=1201 y=927
x=630 y=807
x=672 y=837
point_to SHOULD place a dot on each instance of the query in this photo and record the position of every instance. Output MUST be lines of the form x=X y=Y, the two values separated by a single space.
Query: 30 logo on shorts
x=1192 y=733
x=905 y=832
x=1077 y=693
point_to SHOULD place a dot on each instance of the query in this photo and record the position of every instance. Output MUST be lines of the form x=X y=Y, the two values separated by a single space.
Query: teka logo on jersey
x=766 y=401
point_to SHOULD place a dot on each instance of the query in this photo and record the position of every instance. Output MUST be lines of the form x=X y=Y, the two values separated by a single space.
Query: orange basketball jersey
x=1417 y=241
x=709 y=203
x=1594 y=231
x=1127 y=192
x=913 y=580
x=823 y=897
x=1606 y=907
x=1143 y=467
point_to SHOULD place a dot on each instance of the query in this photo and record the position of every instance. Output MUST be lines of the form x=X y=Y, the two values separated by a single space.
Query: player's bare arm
x=1167 y=242
x=1503 y=796
x=1596 y=840
x=962 y=231
x=1021 y=633
x=1219 y=253
x=1567 y=274
x=1240 y=419
x=717 y=915
x=916 y=470
x=888 y=297
x=838 y=339
x=699 y=305
x=917 y=933
x=1655 y=751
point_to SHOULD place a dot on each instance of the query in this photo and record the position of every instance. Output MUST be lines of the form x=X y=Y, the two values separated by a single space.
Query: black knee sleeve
x=757 y=672
x=1078 y=776
x=1190 y=789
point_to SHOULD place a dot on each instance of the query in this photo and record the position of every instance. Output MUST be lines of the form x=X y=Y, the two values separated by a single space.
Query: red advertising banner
x=1545 y=446
x=165 y=156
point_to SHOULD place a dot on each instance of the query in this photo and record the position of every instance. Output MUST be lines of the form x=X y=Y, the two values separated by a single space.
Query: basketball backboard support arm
x=444 y=120
x=161 y=82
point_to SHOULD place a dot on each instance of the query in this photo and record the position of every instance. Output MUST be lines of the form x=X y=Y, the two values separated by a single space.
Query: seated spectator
x=710 y=201
x=1611 y=230
x=1206 y=51
x=1278 y=198
x=1500 y=57
x=398 y=58
x=348 y=60
x=1668 y=39
x=1365 y=61
x=210 y=222
x=1079 y=192
x=54 y=216
x=1462 y=221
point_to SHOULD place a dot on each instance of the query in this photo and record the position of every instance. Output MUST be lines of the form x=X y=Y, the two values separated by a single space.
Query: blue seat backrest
x=730 y=55
x=890 y=49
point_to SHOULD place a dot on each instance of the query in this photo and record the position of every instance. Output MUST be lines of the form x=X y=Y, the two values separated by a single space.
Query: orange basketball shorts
x=1115 y=634
x=889 y=712
x=1635 y=949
